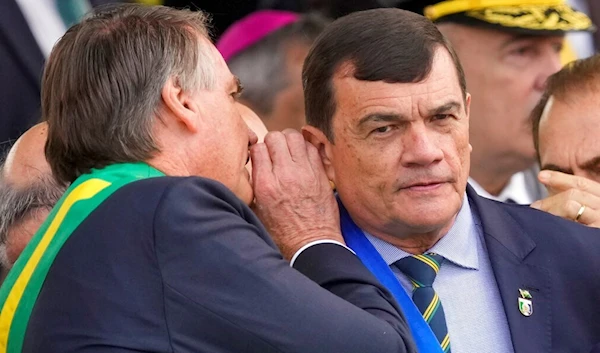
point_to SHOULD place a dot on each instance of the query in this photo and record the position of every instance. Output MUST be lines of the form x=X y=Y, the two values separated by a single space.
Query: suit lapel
x=18 y=39
x=508 y=248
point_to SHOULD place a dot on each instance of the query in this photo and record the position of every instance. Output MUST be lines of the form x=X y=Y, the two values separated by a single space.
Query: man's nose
x=549 y=64
x=421 y=147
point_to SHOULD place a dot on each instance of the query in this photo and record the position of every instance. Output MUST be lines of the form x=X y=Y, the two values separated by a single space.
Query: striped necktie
x=421 y=270
x=71 y=11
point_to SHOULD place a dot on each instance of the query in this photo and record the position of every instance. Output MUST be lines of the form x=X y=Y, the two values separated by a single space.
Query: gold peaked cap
x=531 y=15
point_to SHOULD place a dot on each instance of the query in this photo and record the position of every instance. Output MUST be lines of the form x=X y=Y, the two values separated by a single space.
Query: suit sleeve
x=217 y=261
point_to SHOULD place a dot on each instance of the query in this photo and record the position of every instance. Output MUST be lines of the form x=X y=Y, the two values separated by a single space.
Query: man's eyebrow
x=591 y=164
x=556 y=168
x=385 y=117
x=453 y=105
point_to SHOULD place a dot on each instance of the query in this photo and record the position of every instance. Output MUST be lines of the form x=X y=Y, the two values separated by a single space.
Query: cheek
x=458 y=152
x=371 y=167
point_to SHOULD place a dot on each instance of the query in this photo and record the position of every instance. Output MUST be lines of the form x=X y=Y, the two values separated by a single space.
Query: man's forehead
x=546 y=111
x=26 y=160
x=441 y=83
x=500 y=37
x=575 y=110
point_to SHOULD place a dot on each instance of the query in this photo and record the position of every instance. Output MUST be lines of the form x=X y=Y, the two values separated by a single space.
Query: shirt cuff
x=317 y=242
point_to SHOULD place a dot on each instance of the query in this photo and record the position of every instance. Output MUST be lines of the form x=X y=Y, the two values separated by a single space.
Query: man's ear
x=180 y=104
x=468 y=105
x=318 y=139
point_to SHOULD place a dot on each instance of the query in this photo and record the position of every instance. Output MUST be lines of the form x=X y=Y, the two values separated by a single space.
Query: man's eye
x=441 y=116
x=558 y=47
x=383 y=129
x=526 y=50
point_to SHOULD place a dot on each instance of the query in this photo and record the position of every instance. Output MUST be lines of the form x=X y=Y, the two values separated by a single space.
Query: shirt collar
x=516 y=190
x=458 y=246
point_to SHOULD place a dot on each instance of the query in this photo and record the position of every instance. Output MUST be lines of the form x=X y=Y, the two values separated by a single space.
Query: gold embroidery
x=550 y=18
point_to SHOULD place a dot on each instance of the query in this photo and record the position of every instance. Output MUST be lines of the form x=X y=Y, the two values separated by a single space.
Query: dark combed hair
x=576 y=77
x=390 y=45
x=262 y=66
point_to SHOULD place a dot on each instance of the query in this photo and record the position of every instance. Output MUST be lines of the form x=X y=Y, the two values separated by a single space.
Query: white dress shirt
x=582 y=42
x=523 y=188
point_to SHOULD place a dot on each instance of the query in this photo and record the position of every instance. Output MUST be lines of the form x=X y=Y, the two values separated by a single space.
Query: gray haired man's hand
x=293 y=197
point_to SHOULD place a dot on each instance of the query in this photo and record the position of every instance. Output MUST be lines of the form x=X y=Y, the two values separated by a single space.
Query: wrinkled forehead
x=441 y=84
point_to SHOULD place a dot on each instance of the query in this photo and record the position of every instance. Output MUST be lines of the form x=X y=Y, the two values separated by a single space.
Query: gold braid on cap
x=549 y=15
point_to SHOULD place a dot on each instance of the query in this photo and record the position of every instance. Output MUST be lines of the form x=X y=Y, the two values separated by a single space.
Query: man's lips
x=424 y=185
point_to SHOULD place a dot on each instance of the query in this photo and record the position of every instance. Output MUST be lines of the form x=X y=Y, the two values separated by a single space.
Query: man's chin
x=430 y=214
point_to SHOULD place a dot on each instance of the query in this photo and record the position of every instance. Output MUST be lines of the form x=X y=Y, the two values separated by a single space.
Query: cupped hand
x=293 y=197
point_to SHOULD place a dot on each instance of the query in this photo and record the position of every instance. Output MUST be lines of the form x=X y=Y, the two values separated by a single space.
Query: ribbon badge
x=525 y=303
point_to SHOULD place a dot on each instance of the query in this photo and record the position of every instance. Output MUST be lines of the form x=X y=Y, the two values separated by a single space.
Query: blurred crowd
x=346 y=92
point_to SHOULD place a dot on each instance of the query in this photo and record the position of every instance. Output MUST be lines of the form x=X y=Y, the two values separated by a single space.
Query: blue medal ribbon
x=357 y=241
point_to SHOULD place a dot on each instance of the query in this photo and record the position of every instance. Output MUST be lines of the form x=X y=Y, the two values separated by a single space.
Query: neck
x=493 y=184
x=170 y=165
x=491 y=176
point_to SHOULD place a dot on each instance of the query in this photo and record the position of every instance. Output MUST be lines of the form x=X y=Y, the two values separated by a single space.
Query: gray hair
x=262 y=67
x=101 y=89
x=18 y=204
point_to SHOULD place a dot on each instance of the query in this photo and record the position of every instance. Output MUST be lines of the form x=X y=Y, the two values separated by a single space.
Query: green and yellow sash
x=24 y=282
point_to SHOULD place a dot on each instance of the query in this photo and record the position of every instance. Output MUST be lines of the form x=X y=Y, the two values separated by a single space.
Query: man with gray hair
x=266 y=50
x=28 y=192
x=153 y=247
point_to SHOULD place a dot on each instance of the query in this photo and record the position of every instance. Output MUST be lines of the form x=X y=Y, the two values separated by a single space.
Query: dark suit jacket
x=558 y=261
x=182 y=265
x=21 y=63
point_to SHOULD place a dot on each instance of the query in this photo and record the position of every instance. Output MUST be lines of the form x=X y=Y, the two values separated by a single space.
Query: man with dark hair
x=153 y=247
x=388 y=111
x=507 y=49
x=28 y=192
x=565 y=133
x=266 y=50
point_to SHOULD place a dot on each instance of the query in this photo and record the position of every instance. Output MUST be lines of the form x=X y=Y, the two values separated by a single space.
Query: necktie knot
x=421 y=269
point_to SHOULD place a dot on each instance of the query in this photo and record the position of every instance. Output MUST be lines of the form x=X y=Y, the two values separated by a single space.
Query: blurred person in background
x=507 y=51
x=583 y=44
x=566 y=126
x=226 y=12
x=28 y=191
x=266 y=50
x=28 y=30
